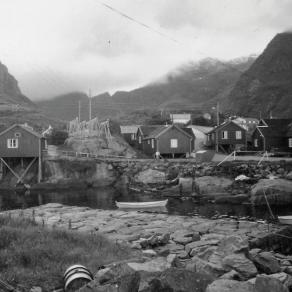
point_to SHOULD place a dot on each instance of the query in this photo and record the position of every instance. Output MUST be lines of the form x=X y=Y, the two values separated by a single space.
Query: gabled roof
x=203 y=129
x=26 y=128
x=162 y=129
x=275 y=127
x=223 y=125
x=129 y=129
x=146 y=130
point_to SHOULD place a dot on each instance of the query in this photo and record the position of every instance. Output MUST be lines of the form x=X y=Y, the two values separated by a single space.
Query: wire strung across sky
x=138 y=22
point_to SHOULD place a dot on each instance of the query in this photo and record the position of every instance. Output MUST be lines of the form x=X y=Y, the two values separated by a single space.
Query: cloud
x=54 y=46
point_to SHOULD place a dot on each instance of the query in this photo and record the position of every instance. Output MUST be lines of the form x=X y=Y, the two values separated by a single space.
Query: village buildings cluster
x=182 y=139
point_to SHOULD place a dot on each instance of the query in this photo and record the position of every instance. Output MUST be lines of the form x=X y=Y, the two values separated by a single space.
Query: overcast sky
x=57 y=46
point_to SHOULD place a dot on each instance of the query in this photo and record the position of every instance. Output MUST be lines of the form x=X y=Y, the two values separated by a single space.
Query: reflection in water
x=104 y=198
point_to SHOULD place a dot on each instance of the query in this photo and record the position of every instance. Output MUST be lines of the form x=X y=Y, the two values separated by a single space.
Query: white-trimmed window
x=173 y=143
x=238 y=135
x=152 y=143
x=140 y=139
x=148 y=141
x=12 y=143
x=133 y=136
x=256 y=143
x=224 y=134
x=290 y=142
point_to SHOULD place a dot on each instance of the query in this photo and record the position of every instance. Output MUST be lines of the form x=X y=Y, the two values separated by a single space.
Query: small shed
x=169 y=141
x=20 y=144
x=130 y=133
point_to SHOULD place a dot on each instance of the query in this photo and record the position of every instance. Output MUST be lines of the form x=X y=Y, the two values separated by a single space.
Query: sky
x=56 y=46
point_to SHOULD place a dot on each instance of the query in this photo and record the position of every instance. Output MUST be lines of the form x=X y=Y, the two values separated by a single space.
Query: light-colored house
x=130 y=133
x=183 y=119
x=200 y=132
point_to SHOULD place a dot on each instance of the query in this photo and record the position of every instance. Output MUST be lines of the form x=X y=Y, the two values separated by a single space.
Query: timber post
x=40 y=162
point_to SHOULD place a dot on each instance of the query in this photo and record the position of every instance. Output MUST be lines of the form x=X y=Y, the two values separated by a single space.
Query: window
x=256 y=143
x=148 y=141
x=152 y=143
x=140 y=139
x=290 y=142
x=238 y=135
x=133 y=136
x=12 y=143
x=173 y=143
x=224 y=135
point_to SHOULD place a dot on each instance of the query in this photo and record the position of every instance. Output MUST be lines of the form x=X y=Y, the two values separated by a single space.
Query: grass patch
x=31 y=255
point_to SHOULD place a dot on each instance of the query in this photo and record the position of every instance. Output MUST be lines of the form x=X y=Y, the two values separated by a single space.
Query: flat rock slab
x=130 y=225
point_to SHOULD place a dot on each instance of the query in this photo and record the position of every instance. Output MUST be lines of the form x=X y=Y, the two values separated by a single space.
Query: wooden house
x=169 y=141
x=273 y=135
x=229 y=136
x=130 y=134
x=21 y=145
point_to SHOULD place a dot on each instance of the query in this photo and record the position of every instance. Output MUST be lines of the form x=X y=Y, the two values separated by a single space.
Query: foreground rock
x=224 y=285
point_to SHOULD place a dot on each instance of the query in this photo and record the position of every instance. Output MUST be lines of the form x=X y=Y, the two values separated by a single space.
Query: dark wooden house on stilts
x=21 y=148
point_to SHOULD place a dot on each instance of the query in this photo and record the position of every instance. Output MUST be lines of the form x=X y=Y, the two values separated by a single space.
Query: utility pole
x=218 y=122
x=79 y=111
x=89 y=96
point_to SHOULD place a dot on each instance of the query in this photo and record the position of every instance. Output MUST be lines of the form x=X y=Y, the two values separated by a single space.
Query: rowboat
x=285 y=219
x=137 y=205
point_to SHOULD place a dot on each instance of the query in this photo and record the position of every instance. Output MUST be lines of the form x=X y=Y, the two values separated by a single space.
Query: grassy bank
x=31 y=255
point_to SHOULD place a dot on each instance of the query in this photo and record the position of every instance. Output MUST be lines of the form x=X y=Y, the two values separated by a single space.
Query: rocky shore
x=180 y=253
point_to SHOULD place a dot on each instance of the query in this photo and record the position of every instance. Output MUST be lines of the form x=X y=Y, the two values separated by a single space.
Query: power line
x=138 y=22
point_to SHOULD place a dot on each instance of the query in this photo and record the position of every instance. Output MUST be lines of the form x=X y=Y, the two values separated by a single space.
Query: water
x=104 y=198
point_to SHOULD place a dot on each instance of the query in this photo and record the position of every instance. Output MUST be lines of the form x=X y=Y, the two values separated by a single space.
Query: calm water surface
x=104 y=198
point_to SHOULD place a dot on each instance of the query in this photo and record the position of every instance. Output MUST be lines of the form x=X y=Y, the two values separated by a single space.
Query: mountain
x=194 y=87
x=16 y=107
x=10 y=94
x=266 y=87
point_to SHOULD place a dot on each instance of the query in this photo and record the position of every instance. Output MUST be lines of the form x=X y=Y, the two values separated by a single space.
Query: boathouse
x=20 y=149
x=169 y=141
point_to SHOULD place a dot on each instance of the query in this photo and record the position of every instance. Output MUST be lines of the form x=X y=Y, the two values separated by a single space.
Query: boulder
x=201 y=243
x=179 y=280
x=284 y=278
x=158 y=264
x=278 y=192
x=150 y=176
x=238 y=262
x=265 y=283
x=213 y=269
x=225 y=285
x=210 y=185
x=233 y=244
x=289 y=175
x=266 y=262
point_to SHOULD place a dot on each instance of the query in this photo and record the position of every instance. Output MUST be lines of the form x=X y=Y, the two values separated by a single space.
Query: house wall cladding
x=28 y=144
x=183 y=142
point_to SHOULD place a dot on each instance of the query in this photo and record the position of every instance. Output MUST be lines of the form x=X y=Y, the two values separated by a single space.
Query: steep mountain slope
x=17 y=108
x=267 y=85
x=196 y=87
x=10 y=94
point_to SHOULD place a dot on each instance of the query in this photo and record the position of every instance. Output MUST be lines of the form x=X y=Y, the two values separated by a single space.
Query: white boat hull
x=285 y=219
x=139 y=205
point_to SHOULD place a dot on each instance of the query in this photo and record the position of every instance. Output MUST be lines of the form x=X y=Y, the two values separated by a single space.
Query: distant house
x=169 y=141
x=181 y=119
x=20 y=144
x=143 y=132
x=200 y=132
x=273 y=135
x=130 y=134
x=229 y=135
